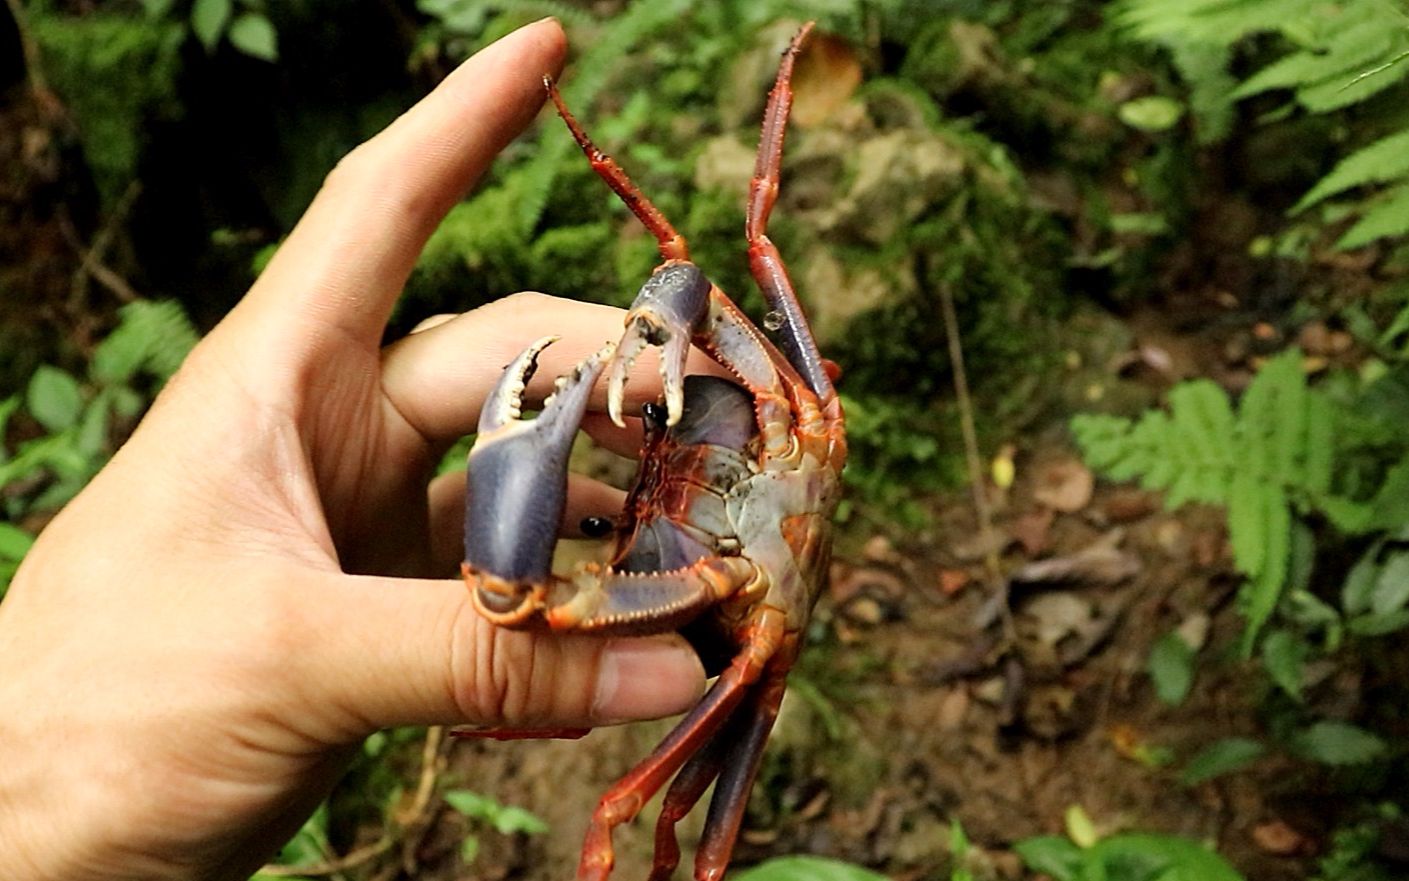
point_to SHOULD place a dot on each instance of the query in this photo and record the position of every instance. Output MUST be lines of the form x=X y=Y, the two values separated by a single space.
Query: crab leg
x=765 y=262
x=731 y=793
x=625 y=799
x=685 y=792
x=672 y=244
x=598 y=599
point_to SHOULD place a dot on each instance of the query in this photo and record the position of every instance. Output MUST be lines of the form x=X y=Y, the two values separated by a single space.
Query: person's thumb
x=407 y=652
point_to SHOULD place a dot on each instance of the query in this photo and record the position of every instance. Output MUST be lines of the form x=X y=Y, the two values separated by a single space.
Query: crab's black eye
x=596 y=527
x=654 y=413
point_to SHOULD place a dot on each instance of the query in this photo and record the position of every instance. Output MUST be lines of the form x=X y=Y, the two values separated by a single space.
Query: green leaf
x=1283 y=655
x=469 y=849
x=152 y=337
x=509 y=820
x=8 y=406
x=505 y=819
x=1051 y=855
x=208 y=20
x=1154 y=113
x=91 y=438
x=1345 y=90
x=54 y=398
x=254 y=35
x=1354 y=48
x=1260 y=595
x=157 y=8
x=471 y=804
x=1162 y=858
x=1320 y=444
x=1391 y=589
x=1247 y=521
x=1171 y=668
x=1221 y=757
x=805 y=868
x=14 y=542
x=1378 y=625
x=1338 y=743
x=1385 y=159
x=1388 y=216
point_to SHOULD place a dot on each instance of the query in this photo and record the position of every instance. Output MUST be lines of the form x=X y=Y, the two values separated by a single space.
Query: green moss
x=115 y=74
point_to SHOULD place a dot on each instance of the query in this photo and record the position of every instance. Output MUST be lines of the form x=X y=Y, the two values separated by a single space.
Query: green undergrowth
x=137 y=63
x=1313 y=478
x=1347 y=61
x=57 y=433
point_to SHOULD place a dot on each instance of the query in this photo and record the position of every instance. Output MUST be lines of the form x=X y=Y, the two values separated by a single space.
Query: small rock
x=878 y=549
x=952 y=709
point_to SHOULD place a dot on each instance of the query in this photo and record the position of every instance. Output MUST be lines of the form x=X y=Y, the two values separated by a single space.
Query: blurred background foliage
x=1045 y=164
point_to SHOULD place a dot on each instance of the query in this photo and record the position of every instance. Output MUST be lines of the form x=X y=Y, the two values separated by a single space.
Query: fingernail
x=646 y=678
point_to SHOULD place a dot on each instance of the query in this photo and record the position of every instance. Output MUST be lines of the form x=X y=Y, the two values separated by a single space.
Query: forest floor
x=925 y=698
x=914 y=709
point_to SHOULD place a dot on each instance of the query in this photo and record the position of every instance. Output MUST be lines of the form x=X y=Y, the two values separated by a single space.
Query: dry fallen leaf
x=1276 y=837
x=951 y=581
x=1065 y=486
x=1032 y=531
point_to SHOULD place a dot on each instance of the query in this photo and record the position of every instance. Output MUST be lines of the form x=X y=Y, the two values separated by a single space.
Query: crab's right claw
x=517 y=486
x=667 y=311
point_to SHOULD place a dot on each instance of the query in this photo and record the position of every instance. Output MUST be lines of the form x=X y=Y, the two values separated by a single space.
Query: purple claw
x=666 y=312
x=517 y=472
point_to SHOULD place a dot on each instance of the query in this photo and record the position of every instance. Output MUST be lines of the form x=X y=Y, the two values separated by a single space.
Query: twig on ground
x=997 y=585
x=407 y=826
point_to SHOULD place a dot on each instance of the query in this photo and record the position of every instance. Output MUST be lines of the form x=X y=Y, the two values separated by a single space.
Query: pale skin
x=254 y=583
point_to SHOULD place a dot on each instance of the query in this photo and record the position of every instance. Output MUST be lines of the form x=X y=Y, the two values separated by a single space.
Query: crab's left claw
x=666 y=312
x=517 y=485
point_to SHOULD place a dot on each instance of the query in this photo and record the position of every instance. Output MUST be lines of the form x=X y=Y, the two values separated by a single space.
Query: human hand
x=190 y=662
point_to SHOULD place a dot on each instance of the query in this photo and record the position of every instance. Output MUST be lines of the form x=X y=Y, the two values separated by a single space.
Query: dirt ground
x=912 y=709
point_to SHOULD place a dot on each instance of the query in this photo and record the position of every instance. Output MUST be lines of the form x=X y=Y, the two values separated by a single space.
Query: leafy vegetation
x=1032 y=160
x=1333 y=56
x=76 y=423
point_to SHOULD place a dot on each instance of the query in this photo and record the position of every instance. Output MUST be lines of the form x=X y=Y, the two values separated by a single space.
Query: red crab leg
x=626 y=798
x=765 y=262
x=731 y=793
x=685 y=792
x=672 y=244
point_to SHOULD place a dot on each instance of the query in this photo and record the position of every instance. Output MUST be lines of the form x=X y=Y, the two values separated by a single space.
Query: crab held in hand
x=726 y=533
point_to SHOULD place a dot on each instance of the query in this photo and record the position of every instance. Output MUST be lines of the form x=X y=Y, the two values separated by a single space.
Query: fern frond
x=1384 y=160
x=1258 y=597
x=1388 y=216
x=1338 y=92
x=151 y=337
x=1355 y=49
x=1222 y=22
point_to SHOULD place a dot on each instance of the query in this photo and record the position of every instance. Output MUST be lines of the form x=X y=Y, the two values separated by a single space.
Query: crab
x=726 y=533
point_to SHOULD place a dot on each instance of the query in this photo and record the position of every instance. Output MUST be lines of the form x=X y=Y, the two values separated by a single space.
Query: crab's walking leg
x=685 y=792
x=626 y=798
x=672 y=244
x=765 y=262
x=731 y=793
